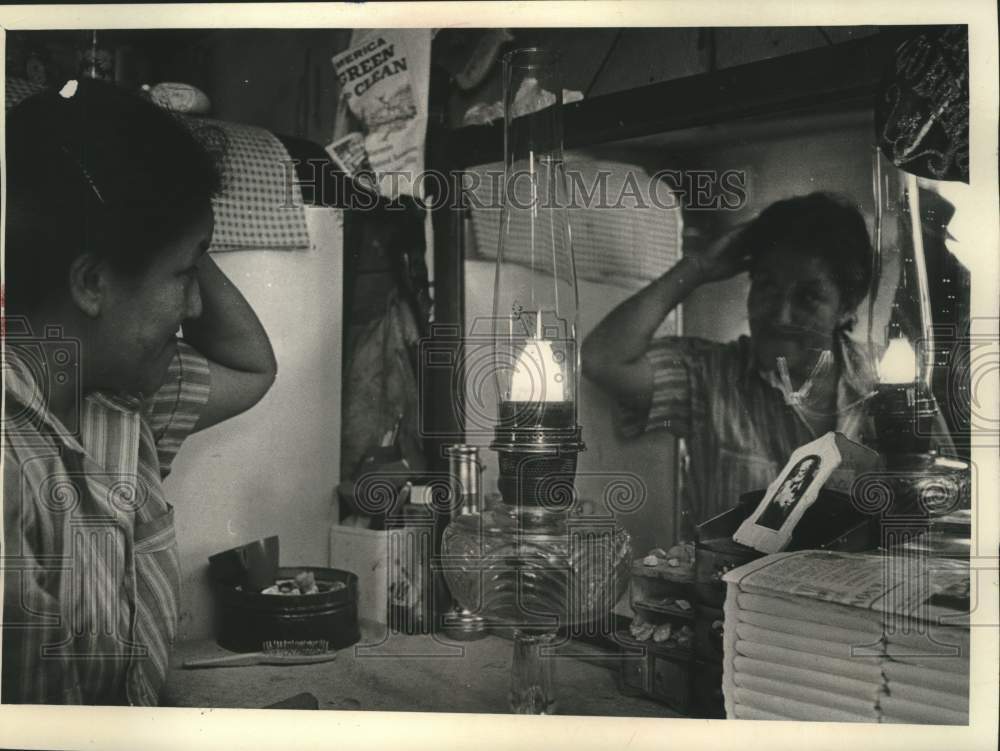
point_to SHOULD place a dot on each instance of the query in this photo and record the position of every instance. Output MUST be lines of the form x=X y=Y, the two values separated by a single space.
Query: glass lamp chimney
x=903 y=406
x=535 y=293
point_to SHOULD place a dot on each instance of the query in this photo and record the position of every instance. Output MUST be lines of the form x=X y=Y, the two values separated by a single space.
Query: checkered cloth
x=260 y=206
x=627 y=242
x=17 y=89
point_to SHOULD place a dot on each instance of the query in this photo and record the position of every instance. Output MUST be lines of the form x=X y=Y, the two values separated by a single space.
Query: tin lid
x=461 y=449
x=253 y=565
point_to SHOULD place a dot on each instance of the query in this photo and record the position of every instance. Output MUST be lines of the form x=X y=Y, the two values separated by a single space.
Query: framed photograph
x=769 y=528
x=792 y=489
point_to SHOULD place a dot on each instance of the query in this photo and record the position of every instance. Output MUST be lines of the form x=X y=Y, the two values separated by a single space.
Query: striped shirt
x=737 y=429
x=91 y=570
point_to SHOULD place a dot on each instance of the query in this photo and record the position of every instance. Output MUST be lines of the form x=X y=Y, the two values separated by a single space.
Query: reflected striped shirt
x=738 y=430
x=90 y=566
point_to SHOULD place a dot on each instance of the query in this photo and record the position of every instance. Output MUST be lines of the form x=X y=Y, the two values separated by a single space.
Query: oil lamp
x=931 y=492
x=903 y=406
x=534 y=564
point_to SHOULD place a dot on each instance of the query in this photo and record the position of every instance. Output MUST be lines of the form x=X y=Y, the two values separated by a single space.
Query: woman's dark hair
x=93 y=168
x=824 y=225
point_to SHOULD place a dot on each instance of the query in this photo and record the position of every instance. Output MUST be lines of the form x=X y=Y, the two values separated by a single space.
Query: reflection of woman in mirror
x=790 y=492
x=745 y=406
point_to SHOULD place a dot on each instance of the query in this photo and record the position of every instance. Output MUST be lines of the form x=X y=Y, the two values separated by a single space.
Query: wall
x=279 y=79
x=273 y=469
x=781 y=160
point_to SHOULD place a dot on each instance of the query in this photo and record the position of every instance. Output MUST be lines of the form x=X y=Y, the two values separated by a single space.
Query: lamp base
x=543 y=479
x=904 y=418
x=538 y=458
x=462 y=624
x=531 y=563
x=531 y=673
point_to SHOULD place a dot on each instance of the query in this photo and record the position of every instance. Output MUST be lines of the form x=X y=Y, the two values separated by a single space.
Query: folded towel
x=901 y=710
x=826 y=613
x=935 y=662
x=844 y=650
x=743 y=712
x=934 y=695
x=929 y=639
x=857 y=669
x=868 y=657
x=864 y=691
x=796 y=692
x=797 y=710
x=916 y=675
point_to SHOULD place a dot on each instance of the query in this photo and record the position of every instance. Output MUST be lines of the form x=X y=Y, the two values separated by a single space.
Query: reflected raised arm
x=613 y=353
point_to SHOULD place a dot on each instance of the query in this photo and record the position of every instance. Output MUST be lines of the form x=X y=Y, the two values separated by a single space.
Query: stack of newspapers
x=840 y=637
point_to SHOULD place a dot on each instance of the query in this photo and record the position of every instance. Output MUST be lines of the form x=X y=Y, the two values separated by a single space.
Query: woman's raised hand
x=725 y=257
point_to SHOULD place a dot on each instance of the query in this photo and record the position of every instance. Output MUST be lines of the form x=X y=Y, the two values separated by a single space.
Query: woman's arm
x=613 y=353
x=231 y=338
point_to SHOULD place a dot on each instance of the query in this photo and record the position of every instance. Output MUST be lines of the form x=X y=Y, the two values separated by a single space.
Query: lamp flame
x=899 y=363
x=538 y=375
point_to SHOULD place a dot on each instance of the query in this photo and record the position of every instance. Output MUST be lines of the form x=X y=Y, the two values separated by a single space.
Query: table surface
x=399 y=672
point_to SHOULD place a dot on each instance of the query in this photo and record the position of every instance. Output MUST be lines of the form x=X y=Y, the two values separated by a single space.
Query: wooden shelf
x=654 y=607
x=845 y=74
x=657 y=648
x=674 y=574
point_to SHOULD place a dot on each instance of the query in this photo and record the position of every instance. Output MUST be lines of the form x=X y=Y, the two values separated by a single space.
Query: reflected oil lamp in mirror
x=909 y=430
x=903 y=407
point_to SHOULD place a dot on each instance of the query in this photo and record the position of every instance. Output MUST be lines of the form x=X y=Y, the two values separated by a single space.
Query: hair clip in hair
x=69 y=89
x=83 y=171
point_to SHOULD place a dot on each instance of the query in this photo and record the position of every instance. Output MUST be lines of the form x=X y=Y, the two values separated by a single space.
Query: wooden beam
x=846 y=73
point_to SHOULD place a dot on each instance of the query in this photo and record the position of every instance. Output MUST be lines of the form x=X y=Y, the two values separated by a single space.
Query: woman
x=744 y=406
x=108 y=219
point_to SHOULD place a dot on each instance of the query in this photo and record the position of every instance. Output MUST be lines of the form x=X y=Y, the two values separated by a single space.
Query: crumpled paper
x=530 y=97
